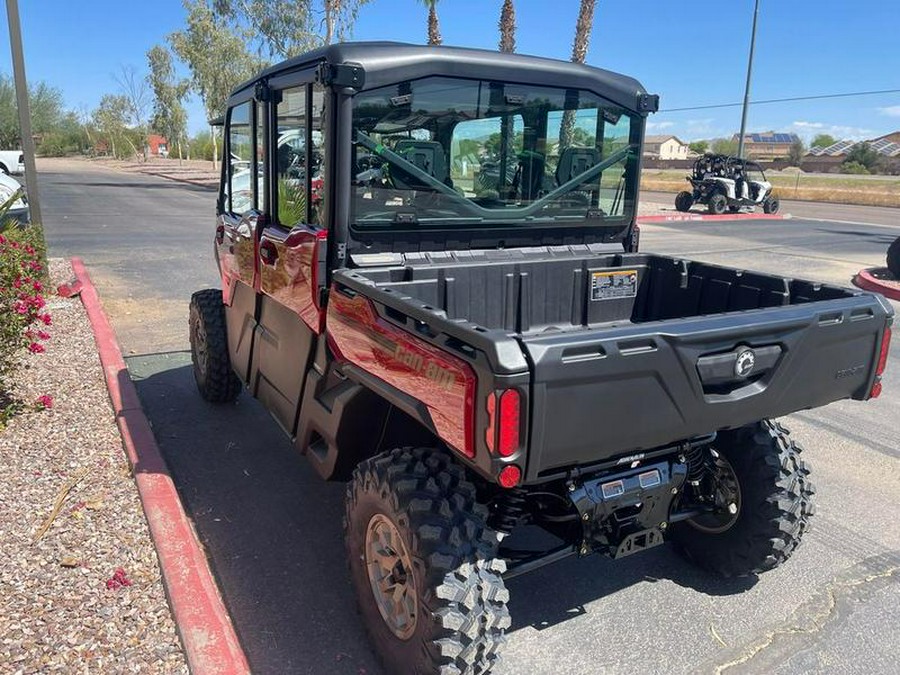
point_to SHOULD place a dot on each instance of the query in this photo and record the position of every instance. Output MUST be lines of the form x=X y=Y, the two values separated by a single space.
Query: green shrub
x=853 y=167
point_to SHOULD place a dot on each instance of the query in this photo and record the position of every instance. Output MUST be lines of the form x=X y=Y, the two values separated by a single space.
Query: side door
x=292 y=247
x=241 y=202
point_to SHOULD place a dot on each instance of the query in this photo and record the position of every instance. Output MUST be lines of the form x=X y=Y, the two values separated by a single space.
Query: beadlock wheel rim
x=390 y=573
x=727 y=491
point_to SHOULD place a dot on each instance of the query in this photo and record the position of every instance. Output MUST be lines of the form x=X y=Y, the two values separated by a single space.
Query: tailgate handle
x=632 y=347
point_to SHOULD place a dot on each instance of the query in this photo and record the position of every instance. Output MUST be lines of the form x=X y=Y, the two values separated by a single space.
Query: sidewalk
x=86 y=596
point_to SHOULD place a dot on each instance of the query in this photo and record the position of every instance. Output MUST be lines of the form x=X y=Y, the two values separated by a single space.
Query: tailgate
x=620 y=390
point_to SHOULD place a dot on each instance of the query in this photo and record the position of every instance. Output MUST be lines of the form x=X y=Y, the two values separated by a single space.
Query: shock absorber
x=509 y=510
x=696 y=462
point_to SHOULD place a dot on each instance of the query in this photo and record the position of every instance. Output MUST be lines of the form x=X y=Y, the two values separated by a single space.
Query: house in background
x=767 y=145
x=158 y=145
x=665 y=147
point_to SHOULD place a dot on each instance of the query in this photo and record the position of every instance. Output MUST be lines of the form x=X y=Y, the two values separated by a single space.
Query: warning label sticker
x=614 y=284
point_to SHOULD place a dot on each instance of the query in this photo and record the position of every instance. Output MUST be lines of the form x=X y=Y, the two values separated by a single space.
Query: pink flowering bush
x=23 y=279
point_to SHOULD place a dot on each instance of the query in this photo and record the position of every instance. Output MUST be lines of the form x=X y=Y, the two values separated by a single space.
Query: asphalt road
x=272 y=529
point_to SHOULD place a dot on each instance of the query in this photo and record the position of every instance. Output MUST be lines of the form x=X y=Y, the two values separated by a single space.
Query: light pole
x=747 y=88
x=15 y=43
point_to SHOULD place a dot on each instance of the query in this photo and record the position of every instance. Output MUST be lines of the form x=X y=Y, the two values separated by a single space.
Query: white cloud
x=659 y=126
x=890 y=111
x=840 y=131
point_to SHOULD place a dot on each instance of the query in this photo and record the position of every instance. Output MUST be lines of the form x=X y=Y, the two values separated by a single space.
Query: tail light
x=504 y=422
x=508 y=427
x=882 y=362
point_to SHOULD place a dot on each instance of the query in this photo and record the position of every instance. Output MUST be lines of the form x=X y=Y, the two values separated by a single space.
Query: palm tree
x=434 y=30
x=508 y=27
x=507 y=44
x=583 y=28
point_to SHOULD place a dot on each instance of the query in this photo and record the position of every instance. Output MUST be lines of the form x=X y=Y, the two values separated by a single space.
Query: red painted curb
x=210 y=643
x=869 y=282
x=680 y=217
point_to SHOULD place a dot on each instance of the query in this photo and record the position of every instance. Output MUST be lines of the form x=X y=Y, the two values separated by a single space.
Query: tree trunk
x=434 y=30
x=508 y=27
x=212 y=135
x=579 y=52
x=507 y=44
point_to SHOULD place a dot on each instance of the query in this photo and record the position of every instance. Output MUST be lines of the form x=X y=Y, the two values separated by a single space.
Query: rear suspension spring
x=696 y=461
x=509 y=510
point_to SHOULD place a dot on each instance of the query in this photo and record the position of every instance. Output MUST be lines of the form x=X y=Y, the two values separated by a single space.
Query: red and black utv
x=431 y=279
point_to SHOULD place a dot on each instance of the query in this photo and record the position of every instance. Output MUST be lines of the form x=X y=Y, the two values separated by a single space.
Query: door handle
x=268 y=253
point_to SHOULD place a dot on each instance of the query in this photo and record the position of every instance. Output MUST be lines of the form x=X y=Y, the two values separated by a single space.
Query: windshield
x=440 y=151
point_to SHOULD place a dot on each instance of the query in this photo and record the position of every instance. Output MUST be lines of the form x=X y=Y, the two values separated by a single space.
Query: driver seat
x=427 y=156
x=575 y=161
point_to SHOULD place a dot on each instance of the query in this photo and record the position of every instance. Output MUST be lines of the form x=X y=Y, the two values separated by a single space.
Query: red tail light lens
x=885 y=348
x=509 y=419
x=882 y=363
x=510 y=476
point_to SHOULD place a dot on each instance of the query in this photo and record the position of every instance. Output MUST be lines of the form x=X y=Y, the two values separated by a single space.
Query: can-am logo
x=745 y=362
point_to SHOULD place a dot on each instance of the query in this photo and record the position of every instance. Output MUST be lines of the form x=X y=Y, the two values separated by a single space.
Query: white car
x=19 y=209
x=12 y=161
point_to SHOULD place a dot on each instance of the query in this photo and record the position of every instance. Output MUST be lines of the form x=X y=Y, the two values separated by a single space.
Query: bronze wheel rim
x=390 y=572
x=727 y=492
x=200 y=348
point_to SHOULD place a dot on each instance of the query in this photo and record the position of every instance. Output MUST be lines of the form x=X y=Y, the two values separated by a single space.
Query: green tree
x=854 y=168
x=47 y=111
x=169 y=115
x=434 y=28
x=795 y=154
x=583 y=27
x=281 y=29
x=217 y=57
x=699 y=146
x=111 y=119
x=863 y=154
x=822 y=141
x=725 y=146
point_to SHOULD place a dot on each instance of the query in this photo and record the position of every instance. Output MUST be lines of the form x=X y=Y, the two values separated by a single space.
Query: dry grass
x=838 y=189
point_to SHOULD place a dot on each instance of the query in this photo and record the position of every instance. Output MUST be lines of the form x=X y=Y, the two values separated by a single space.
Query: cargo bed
x=628 y=352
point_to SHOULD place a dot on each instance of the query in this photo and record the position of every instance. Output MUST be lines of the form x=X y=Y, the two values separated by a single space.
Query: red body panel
x=291 y=278
x=442 y=382
x=236 y=248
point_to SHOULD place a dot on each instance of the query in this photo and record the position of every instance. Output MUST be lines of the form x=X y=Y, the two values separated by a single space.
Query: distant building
x=159 y=145
x=665 y=147
x=767 y=145
x=887 y=146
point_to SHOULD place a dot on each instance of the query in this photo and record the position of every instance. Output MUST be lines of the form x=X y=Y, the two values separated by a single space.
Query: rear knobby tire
x=460 y=598
x=776 y=504
x=215 y=379
x=684 y=200
x=893 y=258
x=717 y=204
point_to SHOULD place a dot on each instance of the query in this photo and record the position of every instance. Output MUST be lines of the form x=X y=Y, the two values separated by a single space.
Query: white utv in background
x=722 y=182
x=12 y=161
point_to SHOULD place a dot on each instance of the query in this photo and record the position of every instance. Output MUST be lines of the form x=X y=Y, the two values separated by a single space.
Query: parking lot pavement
x=272 y=528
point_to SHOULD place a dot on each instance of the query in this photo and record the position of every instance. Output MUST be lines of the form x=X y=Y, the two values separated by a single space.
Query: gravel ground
x=57 y=611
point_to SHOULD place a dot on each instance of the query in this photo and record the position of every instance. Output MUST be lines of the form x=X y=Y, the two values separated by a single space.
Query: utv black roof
x=382 y=63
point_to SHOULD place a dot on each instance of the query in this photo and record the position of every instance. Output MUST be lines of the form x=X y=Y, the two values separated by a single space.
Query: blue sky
x=690 y=53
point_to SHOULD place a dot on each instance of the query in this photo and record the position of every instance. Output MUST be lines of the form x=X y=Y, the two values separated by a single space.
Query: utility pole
x=18 y=60
x=747 y=88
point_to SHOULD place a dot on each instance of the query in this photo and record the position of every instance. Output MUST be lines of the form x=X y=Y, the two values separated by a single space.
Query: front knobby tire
x=684 y=200
x=424 y=565
x=776 y=504
x=893 y=258
x=215 y=379
x=771 y=205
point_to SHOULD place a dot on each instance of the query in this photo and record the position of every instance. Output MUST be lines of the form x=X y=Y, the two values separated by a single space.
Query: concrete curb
x=178 y=179
x=211 y=646
x=681 y=217
x=868 y=281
